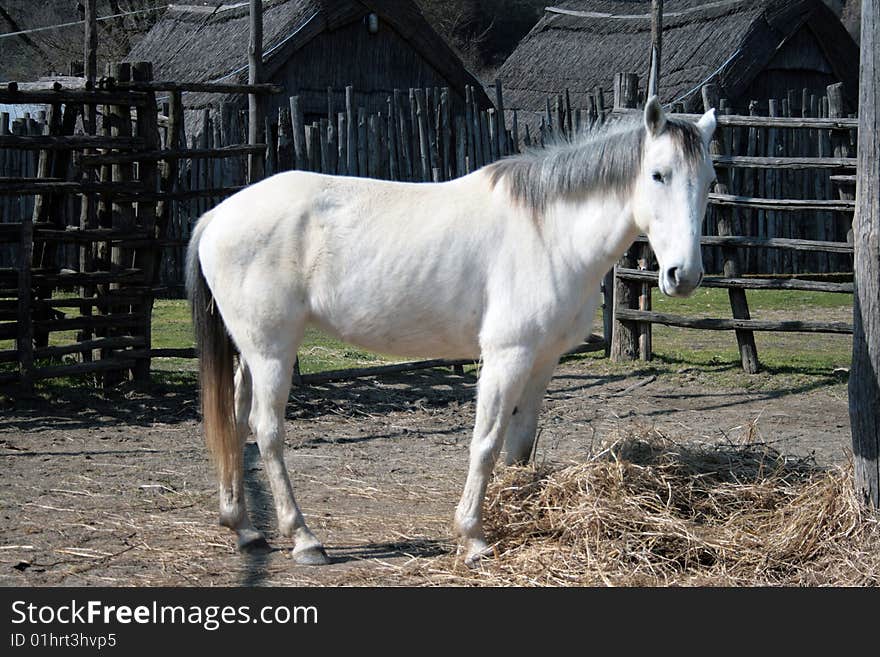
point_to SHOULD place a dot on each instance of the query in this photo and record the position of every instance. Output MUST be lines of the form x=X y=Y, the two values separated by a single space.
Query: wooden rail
x=738 y=120
x=771 y=243
x=169 y=154
x=196 y=87
x=746 y=283
x=68 y=142
x=73 y=96
x=792 y=326
x=790 y=205
x=751 y=162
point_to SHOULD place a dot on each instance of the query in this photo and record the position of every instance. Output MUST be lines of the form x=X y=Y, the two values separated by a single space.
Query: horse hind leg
x=271 y=384
x=233 y=506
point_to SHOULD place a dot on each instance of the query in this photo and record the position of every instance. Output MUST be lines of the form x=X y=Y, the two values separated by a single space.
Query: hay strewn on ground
x=649 y=511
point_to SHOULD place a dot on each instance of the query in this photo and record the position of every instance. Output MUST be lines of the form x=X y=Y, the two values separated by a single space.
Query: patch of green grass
x=787 y=359
x=172 y=326
x=713 y=302
x=172 y=329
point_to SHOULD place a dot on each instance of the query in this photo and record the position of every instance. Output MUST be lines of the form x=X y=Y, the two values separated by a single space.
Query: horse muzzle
x=678 y=281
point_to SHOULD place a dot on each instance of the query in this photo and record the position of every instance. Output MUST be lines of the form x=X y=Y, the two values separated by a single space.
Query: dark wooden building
x=309 y=45
x=753 y=49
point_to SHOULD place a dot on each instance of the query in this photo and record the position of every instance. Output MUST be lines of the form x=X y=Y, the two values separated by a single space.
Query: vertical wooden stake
x=656 y=42
x=298 y=129
x=625 y=335
x=500 y=123
x=147 y=258
x=351 y=163
x=255 y=102
x=738 y=304
x=864 y=378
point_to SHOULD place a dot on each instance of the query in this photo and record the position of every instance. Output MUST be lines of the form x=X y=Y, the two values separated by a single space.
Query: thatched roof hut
x=308 y=45
x=753 y=49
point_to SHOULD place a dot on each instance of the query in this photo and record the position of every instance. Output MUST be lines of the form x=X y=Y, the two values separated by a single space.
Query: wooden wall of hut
x=384 y=61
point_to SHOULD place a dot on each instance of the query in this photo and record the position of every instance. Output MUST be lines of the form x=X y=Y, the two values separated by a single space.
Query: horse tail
x=216 y=352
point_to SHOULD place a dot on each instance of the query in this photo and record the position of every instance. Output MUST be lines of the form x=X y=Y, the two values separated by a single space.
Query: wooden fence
x=85 y=216
x=763 y=219
x=419 y=138
x=110 y=214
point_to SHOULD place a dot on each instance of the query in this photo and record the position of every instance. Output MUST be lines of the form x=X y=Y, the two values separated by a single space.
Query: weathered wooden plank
x=625 y=336
x=777 y=121
x=256 y=111
x=90 y=278
x=95 y=321
x=792 y=205
x=712 y=324
x=772 y=243
x=424 y=144
x=121 y=342
x=864 y=379
x=739 y=306
x=744 y=161
x=23 y=329
x=94 y=235
x=103 y=365
x=747 y=283
x=18 y=96
x=180 y=195
x=262 y=88
x=165 y=155
x=26 y=186
x=72 y=142
x=362 y=143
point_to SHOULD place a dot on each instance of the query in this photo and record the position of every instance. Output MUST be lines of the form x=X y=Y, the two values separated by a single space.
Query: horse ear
x=655 y=118
x=707 y=124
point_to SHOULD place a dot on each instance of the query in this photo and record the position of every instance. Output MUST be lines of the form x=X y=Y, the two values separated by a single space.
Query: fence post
x=255 y=102
x=146 y=258
x=624 y=333
x=864 y=380
x=748 y=352
x=122 y=218
x=500 y=123
x=285 y=140
x=25 y=335
x=840 y=139
x=298 y=134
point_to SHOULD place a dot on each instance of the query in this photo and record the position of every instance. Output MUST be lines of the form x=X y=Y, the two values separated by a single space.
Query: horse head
x=671 y=194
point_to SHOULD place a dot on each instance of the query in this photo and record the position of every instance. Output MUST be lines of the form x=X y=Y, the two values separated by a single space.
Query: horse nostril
x=672 y=276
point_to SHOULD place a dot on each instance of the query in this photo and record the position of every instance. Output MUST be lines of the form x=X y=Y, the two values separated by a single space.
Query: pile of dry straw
x=649 y=511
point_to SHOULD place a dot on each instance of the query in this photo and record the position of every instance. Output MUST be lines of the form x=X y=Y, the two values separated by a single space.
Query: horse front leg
x=502 y=378
x=519 y=442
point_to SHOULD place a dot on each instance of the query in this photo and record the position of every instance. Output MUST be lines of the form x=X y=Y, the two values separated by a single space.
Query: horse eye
x=658 y=176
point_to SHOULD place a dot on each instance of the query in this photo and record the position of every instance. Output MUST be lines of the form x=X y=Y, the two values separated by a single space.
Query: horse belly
x=407 y=327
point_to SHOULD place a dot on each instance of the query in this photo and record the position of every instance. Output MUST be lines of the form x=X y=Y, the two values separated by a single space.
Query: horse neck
x=592 y=233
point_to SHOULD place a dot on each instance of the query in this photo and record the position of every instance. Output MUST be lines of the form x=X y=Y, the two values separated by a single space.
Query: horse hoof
x=311 y=556
x=476 y=551
x=250 y=540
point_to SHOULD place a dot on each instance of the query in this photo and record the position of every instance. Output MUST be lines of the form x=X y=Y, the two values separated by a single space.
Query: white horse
x=503 y=265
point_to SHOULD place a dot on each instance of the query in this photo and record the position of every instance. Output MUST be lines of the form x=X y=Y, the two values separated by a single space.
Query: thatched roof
x=204 y=44
x=581 y=44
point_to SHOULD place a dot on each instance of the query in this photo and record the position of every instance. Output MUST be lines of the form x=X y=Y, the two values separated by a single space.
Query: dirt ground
x=116 y=489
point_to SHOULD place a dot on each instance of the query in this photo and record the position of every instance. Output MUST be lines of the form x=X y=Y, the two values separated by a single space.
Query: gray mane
x=607 y=160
